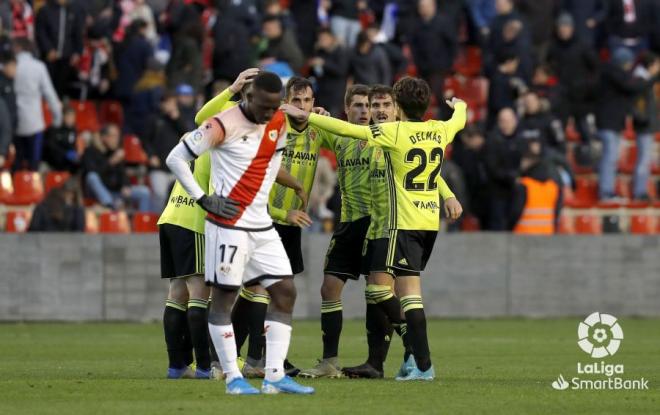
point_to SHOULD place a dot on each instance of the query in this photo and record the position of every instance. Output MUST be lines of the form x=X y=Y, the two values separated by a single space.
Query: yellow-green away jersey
x=413 y=153
x=380 y=202
x=353 y=160
x=299 y=158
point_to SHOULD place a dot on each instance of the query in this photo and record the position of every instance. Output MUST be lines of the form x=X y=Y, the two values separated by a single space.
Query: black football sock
x=402 y=331
x=331 y=324
x=187 y=353
x=240 y=317
x=416 y=320
x=174 y=326
x=389 y=315
x=257 y=341
x=198 y=326
x=212 y=352
x=376 y=320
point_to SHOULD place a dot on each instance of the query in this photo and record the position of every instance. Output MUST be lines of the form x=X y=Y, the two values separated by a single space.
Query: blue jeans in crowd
x=608 y=163
x=139 y=194
x=643 y=164
x=346 y=30
x=28 y=152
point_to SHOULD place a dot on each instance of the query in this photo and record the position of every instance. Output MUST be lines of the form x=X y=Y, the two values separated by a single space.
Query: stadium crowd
x=552 y=86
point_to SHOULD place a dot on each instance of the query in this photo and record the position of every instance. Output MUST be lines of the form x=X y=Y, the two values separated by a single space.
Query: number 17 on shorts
x=226 y=254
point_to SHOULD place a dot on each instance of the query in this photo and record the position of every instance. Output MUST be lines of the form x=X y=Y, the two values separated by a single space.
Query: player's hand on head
x=244 y=78
x=298 y=218
x=321 y=111
x=453 y=209
x=218 y=205
x=452 y=102
x=294 y=112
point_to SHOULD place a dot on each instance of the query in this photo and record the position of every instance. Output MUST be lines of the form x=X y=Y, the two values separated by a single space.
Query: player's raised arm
x=330 y=124
x=458 y=119
x=191 y=146
x=216 y=104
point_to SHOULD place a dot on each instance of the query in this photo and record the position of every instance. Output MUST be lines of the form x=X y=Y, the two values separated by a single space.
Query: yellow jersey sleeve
x=339 y=127
x=456 y=123
x=444 y=190
x=214 y=106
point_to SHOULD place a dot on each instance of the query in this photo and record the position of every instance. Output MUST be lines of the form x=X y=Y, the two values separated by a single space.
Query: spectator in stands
x=545 y=84
x=482 y=13
x=95 y=65
x=588 y=15
x=368 y=64
x=103 y=17
x=345 y=20
x=243 y=12
x=629 y=24
x=280 y=44
x=177 y=15
x=163 y=133
x=539 y=16
x=505 y=86
x=185 y=64
x=231 y=48
x=60 y=211
x=469 y=155
x=394 y=53
x=32 y=85
x=6 y=48
x=146 y=98
x=131 y=59
x=60 y=147
x=330 y=67
x=7 y=106
x=434 y=45
x=536 y=197
x=646 y=123
x=22 y=21
x=537 y=123
x=59 y=32
x=503 y=151
x=576 y=65
x=305 y=14
x=140 y=9
x=185 y=98
x=617 y=91
x=105 y=173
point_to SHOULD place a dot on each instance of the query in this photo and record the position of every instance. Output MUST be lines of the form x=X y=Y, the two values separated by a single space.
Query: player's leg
x=226 y=256
x=198 y=324
x=248 y=316
x=269 y=265
x=175 y=325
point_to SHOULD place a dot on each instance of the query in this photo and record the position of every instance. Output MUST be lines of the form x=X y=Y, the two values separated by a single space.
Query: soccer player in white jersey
x=245 y=144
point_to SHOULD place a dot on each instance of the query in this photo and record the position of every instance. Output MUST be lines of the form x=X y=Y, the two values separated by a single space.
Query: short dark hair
x=379 y=90
x=297 y=83
x=357 y=89
x=267 y=82
x=412 y=95
x=105 y=129
x=325 y=30
x=271 y=18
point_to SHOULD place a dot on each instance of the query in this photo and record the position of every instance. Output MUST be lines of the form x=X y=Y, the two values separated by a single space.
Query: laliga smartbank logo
x=600 y=335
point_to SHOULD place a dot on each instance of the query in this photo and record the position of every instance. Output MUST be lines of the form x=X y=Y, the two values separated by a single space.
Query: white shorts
x=235 y=257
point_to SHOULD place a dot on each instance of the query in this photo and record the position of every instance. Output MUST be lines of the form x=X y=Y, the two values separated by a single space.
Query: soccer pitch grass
x=483 y=367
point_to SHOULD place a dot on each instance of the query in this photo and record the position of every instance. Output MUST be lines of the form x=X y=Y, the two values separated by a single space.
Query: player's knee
x=222 y=300
x=197 y=289
x=178 y=291
x=331 y=288
x=283 y=295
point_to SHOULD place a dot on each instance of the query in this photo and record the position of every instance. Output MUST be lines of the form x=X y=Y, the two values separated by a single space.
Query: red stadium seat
x=6 y=187
x=627 y=159
x=641 y=224
x=468 y=61
x=28 y=188
x=566 y=225
x=18 y=221
x=145 y=222
x=56 y=179
x=134 y=153
x=470 y=224
x=588 y=224
x=114 y=222
x=586 y=193
x=111 y=112
x=571 y=133
x=622 y=187
x=91 y=222
x=629 y=132
x=87 y=118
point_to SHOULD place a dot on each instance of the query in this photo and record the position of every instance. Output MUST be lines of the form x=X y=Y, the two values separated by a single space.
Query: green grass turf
x=484 y=367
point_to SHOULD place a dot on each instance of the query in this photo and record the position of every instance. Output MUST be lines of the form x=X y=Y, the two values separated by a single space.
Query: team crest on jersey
x=378 y=155
x=196 y=136
x=362 y=144
x=311 y=135
x=272 y=135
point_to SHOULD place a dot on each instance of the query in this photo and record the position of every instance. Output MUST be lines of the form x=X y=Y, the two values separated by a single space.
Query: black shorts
x=181 y=252
x=374 y=258
x=344 y=257
x=409 y=250
x=290 y=236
